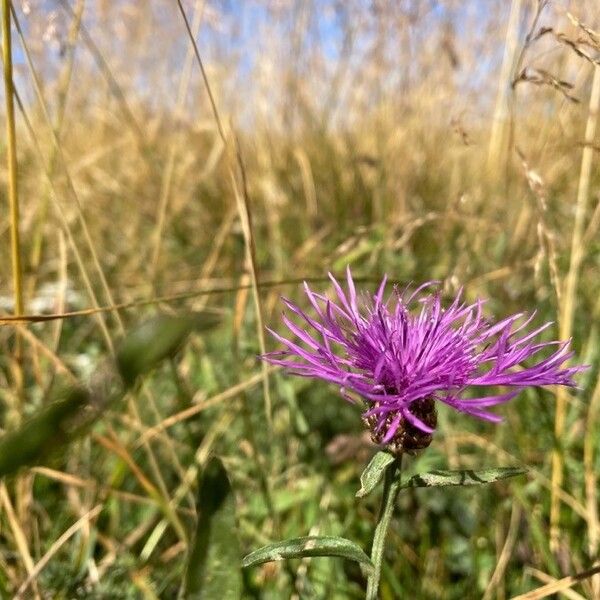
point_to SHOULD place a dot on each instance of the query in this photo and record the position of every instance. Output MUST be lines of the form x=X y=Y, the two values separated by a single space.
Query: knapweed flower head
x=404 y=353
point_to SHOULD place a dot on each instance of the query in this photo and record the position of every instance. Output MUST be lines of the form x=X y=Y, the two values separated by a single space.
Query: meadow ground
x=435 y=140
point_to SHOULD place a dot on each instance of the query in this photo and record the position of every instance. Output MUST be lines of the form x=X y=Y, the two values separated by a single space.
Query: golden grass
x=429 y=143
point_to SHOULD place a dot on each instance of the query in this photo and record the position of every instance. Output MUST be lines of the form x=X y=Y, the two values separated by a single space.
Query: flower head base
x=408 y=437
x=402 y=361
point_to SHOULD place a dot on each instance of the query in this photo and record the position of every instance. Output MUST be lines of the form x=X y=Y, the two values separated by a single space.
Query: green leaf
x=157 y=339
x=45 y=433
x=213 y=569
x=308 y=546
x=373 y=473
x=462 y=477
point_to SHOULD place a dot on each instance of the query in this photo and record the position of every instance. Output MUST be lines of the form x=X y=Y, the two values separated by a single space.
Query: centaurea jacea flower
x=402 y=359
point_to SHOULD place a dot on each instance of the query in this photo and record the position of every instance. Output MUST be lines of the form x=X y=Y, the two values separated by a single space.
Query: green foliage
x=64 y=419
x=157 y=339
x=374 y=473
x=65 y=583
x=462 y=477
x=308 y=546
x=213 y=567
x=45 y=434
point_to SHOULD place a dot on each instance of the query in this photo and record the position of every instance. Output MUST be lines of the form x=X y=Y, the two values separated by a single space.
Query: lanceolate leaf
x=75 y=408
x=462 y=477
x=43 y=434
x=373 y=473
x=213 y=570
x=308 y=546
x=156 y=340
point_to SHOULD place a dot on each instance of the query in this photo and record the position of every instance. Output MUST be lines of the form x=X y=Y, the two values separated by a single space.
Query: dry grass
x=428 y=140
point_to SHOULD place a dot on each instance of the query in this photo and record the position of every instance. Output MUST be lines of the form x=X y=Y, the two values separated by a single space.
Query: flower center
x=408 y=438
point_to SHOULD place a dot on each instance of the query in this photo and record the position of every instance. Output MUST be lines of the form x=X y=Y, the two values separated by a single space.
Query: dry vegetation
x=433 y=139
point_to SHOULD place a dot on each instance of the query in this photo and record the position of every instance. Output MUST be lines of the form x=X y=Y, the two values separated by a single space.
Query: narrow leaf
x=213 y=570
x=462 y=477
x=156 y=340
x=373 y=473
x=43 y=434
x=308 y=546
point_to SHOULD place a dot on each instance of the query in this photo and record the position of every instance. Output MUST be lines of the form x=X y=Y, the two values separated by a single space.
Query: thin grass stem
x=11 y=143
x=568 y=306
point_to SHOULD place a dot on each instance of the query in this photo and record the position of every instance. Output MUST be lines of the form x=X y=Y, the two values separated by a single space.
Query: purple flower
x=405 y=353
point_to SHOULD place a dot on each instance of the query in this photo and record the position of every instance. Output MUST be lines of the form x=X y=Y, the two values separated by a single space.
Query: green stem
x=391 y=488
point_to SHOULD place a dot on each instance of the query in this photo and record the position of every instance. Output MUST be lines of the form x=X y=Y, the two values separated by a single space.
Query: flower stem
x=391 y=488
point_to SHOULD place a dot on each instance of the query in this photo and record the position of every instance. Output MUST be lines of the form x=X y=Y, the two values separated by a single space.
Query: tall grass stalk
x=22 y=483
x=570 y=300
x=11 y=143
x=591 y=480
x=59 y=154
x=167 y=177
x=55 y=196
x=57 y=147
x=241 y=197
x=88 y=238
x=20 y=539
x=64 y=83
x=498 y=136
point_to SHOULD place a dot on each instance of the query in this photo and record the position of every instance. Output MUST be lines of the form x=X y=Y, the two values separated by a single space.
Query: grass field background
x=445 y=140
